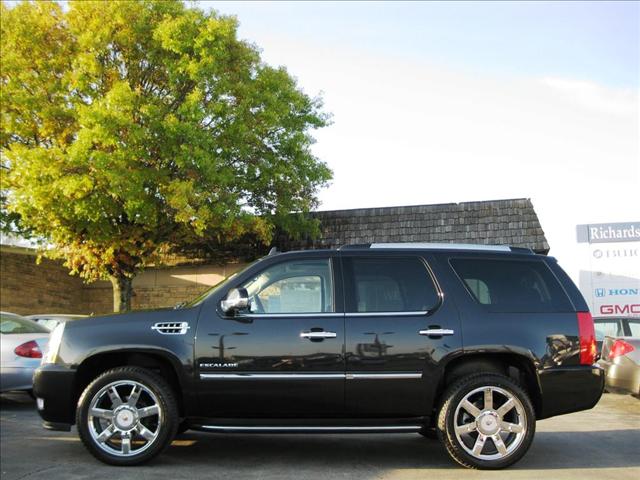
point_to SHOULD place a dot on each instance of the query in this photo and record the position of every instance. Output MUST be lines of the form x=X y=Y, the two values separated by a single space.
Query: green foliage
x=133 y=128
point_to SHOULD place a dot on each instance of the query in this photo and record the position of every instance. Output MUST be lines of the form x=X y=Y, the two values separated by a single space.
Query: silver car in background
x=620 y=359
x=22 y=345
x=52 y=320
x=615 y=327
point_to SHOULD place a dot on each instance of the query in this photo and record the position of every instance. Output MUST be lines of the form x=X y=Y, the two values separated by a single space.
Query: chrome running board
x=309 y=429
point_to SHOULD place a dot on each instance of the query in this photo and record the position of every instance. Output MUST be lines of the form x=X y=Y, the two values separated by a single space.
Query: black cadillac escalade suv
x=469 y=343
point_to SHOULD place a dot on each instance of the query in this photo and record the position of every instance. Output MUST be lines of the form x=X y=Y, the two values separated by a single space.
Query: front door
x=398 y=327
x=284 y=356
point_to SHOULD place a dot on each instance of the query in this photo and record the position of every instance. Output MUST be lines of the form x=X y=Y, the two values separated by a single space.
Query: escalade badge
x=218 y=365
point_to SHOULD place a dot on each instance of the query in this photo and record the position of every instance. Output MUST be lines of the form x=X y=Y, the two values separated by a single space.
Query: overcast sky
x=452 y=102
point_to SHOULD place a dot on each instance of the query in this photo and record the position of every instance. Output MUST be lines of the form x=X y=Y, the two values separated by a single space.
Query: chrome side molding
x=272 y=376
x=310 y=376
x=382 y=376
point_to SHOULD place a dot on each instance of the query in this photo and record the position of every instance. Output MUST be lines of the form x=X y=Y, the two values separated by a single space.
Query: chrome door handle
x=436 y=332
x=313 y=335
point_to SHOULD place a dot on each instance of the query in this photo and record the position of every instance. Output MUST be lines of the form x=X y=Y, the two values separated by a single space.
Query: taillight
x=587 y=335
x=620 y=347
x=29 y=350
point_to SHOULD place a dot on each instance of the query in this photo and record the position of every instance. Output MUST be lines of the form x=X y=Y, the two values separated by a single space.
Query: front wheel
x=486 y=421
x=127 y=416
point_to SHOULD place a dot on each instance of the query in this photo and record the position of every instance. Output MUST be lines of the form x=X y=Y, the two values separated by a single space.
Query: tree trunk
x=122 y=291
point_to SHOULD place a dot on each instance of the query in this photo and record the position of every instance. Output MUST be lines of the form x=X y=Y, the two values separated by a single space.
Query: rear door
x=398 y=328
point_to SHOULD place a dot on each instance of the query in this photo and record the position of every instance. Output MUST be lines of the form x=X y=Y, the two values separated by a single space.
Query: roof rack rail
x=522 y=250
x=443 y=246
x=438 y=246
x=355 y=246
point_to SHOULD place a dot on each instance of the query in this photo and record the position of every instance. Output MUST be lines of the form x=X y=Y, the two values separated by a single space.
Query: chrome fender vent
x=171 y=328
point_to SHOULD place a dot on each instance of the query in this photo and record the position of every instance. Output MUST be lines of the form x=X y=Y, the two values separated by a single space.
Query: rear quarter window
x=512 y=285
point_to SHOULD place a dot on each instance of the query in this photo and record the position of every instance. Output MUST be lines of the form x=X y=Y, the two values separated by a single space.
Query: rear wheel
x=127 y=416
x=486 y=421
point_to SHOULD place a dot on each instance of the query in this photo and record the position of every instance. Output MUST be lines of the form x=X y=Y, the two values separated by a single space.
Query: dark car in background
x=474 y=343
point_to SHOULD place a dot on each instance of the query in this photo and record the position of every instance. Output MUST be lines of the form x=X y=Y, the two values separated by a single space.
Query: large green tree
x=133 y=128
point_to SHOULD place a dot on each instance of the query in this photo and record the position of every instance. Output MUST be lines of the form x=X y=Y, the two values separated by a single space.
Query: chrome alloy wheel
x=124 y=418
x=490 y=423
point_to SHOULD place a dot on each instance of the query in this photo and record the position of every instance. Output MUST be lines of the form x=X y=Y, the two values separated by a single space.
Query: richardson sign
x=609 y=232
x=610 y=267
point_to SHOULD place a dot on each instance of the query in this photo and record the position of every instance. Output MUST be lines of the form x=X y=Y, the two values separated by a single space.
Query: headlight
x=55 y=339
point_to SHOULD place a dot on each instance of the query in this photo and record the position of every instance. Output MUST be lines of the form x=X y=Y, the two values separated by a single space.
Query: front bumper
x=54 y=387
x=569 y=389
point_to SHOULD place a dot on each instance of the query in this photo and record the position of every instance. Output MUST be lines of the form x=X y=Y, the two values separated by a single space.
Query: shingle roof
x=497 y=222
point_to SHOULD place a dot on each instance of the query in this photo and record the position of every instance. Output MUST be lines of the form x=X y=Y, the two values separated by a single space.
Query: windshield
x=14 y=324
x=219 y=286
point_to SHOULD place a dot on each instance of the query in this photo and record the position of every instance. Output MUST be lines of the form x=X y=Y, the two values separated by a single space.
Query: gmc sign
x=620 y=309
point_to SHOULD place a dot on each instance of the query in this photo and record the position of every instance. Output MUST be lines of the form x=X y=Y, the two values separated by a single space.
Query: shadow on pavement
x=357 y=456
x=550 y=450
x=16 y=401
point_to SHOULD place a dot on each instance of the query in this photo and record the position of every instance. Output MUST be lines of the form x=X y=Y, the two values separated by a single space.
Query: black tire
x=165 y=425
x=451 y=402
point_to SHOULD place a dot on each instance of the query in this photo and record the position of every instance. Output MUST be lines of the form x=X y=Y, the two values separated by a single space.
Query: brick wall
x=29 y=288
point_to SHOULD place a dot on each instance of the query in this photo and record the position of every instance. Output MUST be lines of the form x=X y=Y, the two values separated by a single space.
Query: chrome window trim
x=283 y=428
x=388 y=314
x=335 y=315
x=291 y=315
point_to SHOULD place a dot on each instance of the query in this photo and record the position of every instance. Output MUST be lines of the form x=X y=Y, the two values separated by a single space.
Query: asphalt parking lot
x=603 y=443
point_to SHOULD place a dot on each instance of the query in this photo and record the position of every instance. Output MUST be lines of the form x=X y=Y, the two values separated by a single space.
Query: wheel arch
x=160 y=361
x=516 y=366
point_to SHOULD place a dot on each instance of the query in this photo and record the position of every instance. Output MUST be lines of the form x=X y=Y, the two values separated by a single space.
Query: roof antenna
x=273 y=251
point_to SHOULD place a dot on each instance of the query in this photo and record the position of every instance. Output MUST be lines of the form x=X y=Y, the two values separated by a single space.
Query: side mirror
x=237 y=299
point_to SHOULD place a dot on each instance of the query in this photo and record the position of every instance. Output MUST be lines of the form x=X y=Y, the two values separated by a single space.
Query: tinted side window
x=512 y=285
x=297 y=286
x=388 y=285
